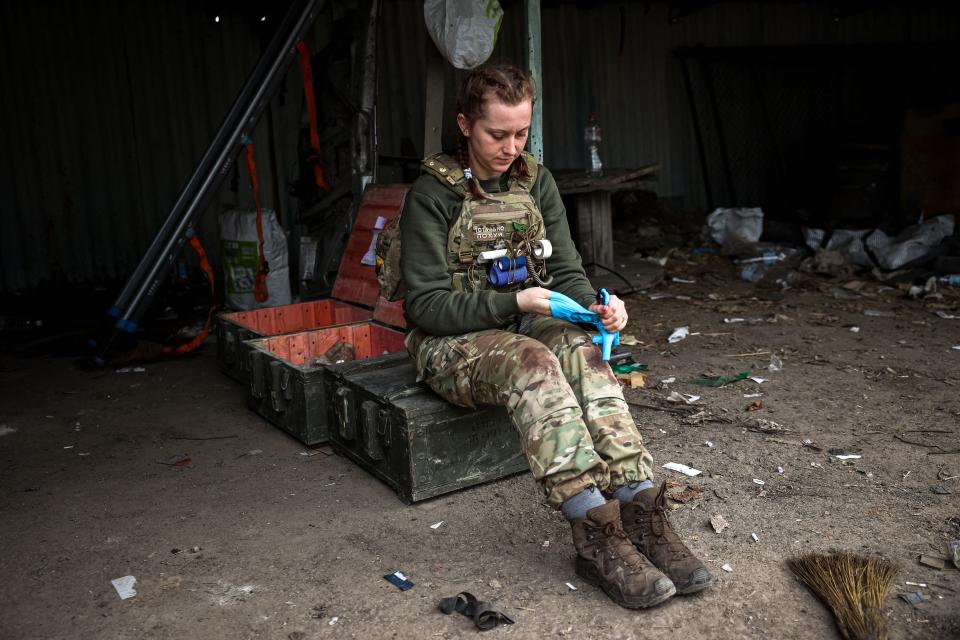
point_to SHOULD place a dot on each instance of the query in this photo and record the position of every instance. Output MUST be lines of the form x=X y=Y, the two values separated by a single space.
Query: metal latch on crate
x=343 y=407
x=370 y=411
x=256 y=374
x=281 y=391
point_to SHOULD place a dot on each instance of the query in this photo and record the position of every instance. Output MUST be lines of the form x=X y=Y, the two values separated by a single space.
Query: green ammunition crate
x=401 y=432
x=286 y=383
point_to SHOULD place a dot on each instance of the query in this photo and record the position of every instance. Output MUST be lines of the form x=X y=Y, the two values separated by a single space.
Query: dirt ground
x=252 y=539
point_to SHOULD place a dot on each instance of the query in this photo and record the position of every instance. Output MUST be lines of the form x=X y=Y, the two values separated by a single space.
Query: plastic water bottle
x=593 y=136
x=952 y=280
x=753 y=272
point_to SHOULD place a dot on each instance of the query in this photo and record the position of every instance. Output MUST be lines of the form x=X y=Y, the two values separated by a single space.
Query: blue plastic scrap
x=399 y=580
x=563 y=308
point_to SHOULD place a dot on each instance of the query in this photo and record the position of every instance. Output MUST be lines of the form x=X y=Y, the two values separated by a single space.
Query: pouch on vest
x=389 y=274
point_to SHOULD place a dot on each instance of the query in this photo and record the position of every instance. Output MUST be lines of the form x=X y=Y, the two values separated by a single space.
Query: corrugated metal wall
x=107 y=105
x=635 y=86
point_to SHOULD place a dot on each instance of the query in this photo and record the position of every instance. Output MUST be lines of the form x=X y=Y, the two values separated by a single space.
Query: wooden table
x=589 y=202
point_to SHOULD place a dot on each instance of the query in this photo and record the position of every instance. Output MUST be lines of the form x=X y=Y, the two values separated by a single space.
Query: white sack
x=238 y=242
x=733 y=229
x=463 y=30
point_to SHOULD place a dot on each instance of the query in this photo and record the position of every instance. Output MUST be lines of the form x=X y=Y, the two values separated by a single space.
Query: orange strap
x=200 y=337
x=307 y=72
x=260 y=292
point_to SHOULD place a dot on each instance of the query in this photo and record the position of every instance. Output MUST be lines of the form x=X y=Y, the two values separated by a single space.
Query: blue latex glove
x=564 y=308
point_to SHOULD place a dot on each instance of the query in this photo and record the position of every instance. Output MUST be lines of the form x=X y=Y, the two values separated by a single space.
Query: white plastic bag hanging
x=464 y=31
x=238 y=240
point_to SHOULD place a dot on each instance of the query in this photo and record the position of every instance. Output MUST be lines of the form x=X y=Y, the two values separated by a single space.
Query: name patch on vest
x=489 y=231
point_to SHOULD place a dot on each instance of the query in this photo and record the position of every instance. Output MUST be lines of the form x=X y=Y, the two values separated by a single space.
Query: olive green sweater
x=431 y=303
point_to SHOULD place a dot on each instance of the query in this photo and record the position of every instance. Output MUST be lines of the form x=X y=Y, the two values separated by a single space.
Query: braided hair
x=511 y=86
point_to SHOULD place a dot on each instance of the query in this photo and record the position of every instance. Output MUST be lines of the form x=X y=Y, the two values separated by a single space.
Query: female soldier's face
x=496 y=139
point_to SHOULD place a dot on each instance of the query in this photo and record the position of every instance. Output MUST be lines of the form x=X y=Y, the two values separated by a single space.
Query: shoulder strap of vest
x=526 y=183
x=446 y=170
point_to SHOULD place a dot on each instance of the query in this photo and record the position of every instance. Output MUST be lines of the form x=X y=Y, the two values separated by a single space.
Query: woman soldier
x=483 y=235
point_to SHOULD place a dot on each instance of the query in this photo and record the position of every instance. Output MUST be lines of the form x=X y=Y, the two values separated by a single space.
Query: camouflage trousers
x=575 y=427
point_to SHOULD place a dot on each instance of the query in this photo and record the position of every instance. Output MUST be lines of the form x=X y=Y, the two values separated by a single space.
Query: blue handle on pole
x=606 y=339
x=564 y=308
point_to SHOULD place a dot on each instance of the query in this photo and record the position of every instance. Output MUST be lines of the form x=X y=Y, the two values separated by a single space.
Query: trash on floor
x=735 y=229
x=685 y=398
x=178 y=460
x=867 y=247
x=755 y=537
x=848 y=456
x=629 y=367
x=720 y=381
x=131 y=370
x=762 y=425
x=634 y=379
x=954 y=548
x=125 y=586
x=682 y=468
x=678 y=334
x=932 y=561
x=912 y=597
x=437 y=525
x=5 y=430
x=727 y=568
x=776 y=364
x=689 y=494
x=718 y=522
x=484 y=614
x=571 y=587
x=399 y=580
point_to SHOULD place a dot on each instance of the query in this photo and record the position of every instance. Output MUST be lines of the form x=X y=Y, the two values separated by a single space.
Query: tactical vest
x=509 y=220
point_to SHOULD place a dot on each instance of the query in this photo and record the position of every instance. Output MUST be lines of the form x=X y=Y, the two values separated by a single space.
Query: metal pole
x=535 y=66
x=214 y=166
x=698 y=134
x=364 y=141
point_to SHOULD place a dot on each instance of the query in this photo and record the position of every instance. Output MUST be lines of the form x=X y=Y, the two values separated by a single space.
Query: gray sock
x=626 y=492
x=576 y=508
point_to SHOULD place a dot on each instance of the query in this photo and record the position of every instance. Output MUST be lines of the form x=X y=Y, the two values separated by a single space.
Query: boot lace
x=659 y=524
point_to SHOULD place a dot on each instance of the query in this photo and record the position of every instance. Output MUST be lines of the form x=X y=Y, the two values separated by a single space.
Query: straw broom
x=853 y=587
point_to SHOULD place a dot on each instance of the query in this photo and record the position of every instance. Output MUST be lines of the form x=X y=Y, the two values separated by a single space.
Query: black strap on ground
x=484 y=614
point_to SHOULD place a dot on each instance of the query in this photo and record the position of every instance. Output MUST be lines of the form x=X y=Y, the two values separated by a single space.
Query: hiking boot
x=607 y=559
x=645 y=522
